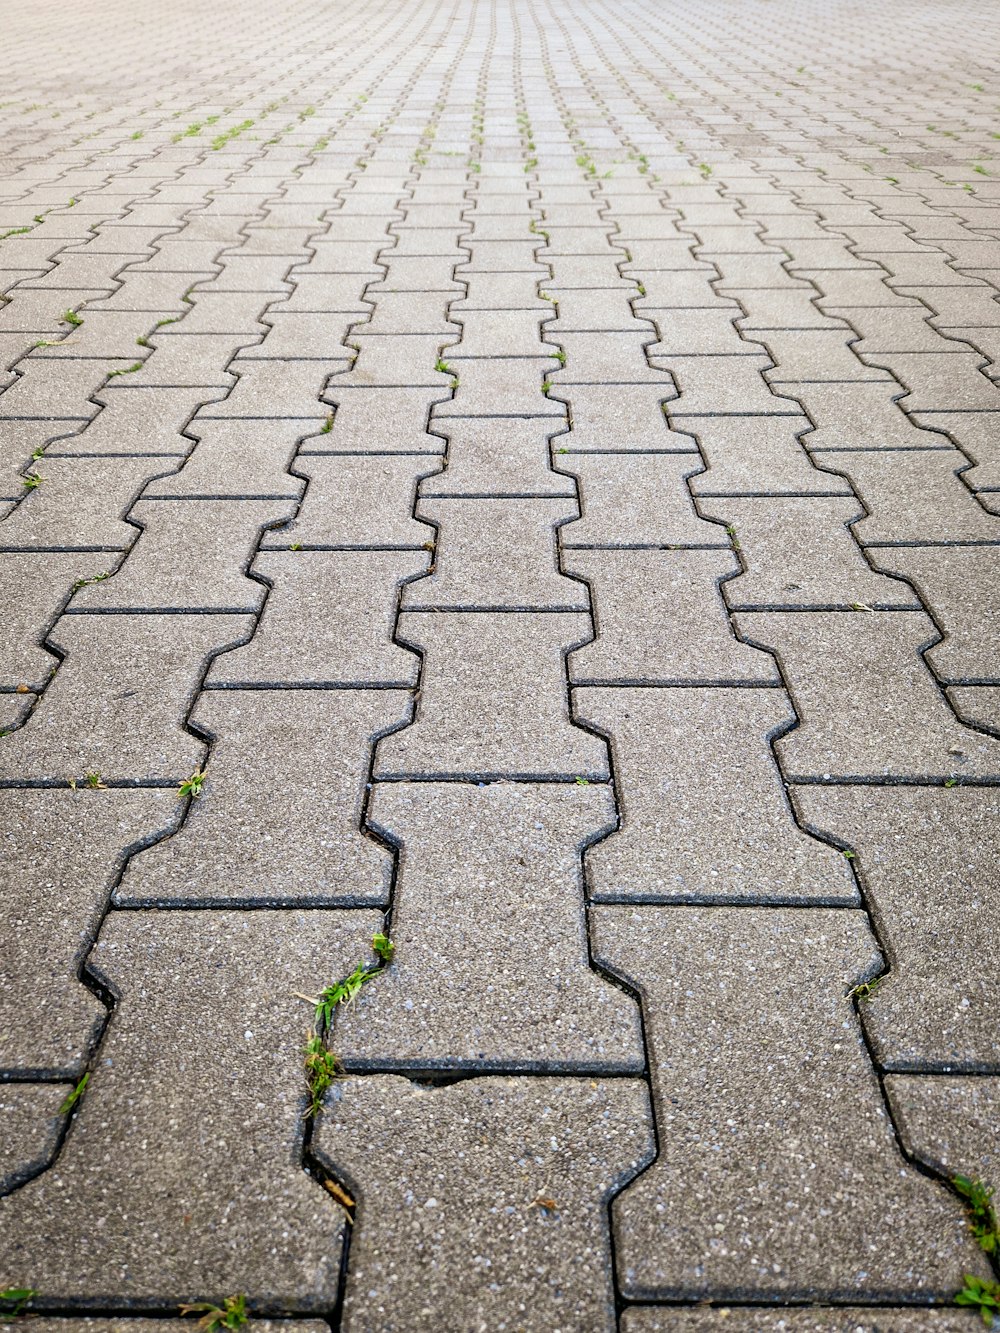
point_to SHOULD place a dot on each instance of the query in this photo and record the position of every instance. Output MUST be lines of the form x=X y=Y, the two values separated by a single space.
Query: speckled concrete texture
x=499 y=688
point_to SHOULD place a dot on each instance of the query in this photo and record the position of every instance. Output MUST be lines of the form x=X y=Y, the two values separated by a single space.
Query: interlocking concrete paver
x=867 y=704
x=928 y=857
x=661 y=620
x=278 y=756
x=208 y=983
x=721 y=1235
x=526 y=997
x=493 y=700
x=117 y=703
x=949 y=1123
x=29 y=1116
x=465 y=1176
x=521 y=406
x=62 y=850
x=300 y=640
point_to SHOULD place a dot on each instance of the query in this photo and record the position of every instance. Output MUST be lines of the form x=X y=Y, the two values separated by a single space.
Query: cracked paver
x=500 y=719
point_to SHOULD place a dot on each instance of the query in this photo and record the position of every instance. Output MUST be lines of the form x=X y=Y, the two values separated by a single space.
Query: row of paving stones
x=587 y=436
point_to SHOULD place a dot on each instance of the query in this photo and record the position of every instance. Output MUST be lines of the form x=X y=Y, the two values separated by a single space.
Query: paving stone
x=33 y=587
x=661 y=620
x=81 y=504
x=408 y=313
x=630 y=500
x=525 y=996
x=75 y=1230
x=220 y=313
x=273 y=389
x=704 y=815
x=103 y=333
x=408 y=359
x=29 y=1115
x=927 y=857
x=864 y=416
x=710 y=332
x=960 y=585
x=498 y=457
x=65 y=388
x=621 y=418
x=500 y=333
x=300 y=642
x=814 y=1319
x=609 y=358
x=496 y=555
x=502 y=388
x=236 y=458
x=978 y=705
x=493 y=291
x=202 y=359
x=116 y=706
x=585 y=311
x=942 y=382
x=378 y=420
x=140 y=421
x=21 y=440
x=502 y=257
x=797 y=308
x=455 y=1175
x=190 y=556
x=62 y=853
x=341 y=292
x=724 y=385
x=279 y=757
x=761 y=1235
x=912 y=496
x=867 y=704
x=357 y=504
x=406 y=274
x=757 y=456
x=505 y=672
x=119 y=1324
x=800 y=552
x=816 y=355
x=949 y=1123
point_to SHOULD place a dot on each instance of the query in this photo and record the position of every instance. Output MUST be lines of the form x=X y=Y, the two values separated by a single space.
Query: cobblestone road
x=519 y=480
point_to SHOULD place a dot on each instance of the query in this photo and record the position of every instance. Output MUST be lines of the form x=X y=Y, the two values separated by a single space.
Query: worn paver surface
x=500 y=665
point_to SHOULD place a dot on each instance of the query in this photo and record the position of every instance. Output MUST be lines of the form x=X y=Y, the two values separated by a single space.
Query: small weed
x=327 y=426
x=981 y=170
x=977 y=87
x=705 y=170
x=951 y=782
x=232 y=1313
x=861 y=606
x=137 y=134
x=143 y=341
x=560 y=356
x=295 y=546
x=983 y=1221
x=12 y=1302
x=342 y=992
x=322 y=1070
x=546 y=385
x=31 y=481
x=71 y=317
x=96 y=578
x=73 y=1097
x=867 y=989
x=383 y=946
x=14 y=231
x=93 y=781
x=222 y=139
x=192 y=786
x=125 y=370
x=848 y=856
x=443 y=367
x=582 y=782
x=982 y=1296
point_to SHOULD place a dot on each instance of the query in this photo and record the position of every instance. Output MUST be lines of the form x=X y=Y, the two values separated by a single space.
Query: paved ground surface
x=541 y=460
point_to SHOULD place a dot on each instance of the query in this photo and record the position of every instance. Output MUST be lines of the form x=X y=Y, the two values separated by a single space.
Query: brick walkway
x=521 y=479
